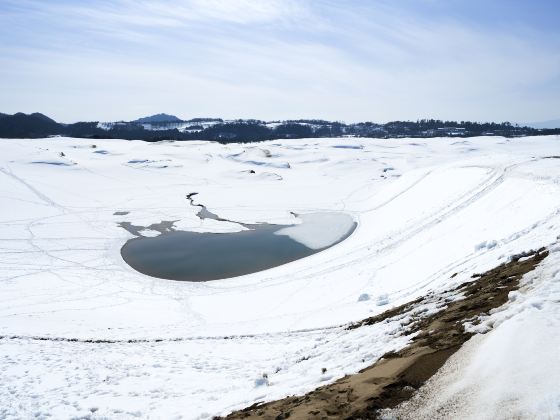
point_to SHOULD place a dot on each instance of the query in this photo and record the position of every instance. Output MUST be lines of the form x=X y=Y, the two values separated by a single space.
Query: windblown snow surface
x=86 y=336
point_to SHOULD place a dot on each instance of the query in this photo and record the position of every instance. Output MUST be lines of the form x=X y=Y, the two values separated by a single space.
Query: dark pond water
x=193 y=256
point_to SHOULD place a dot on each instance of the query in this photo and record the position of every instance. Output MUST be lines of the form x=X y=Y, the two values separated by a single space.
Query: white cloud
x=173 y=13
x=276 y=59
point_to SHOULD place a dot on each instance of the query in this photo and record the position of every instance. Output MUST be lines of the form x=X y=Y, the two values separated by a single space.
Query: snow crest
x=320 y=230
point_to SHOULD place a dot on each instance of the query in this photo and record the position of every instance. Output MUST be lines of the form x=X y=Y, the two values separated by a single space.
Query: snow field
x=444 y=207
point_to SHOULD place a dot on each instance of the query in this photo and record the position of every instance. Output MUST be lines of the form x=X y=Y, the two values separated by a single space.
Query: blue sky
x=280 y=59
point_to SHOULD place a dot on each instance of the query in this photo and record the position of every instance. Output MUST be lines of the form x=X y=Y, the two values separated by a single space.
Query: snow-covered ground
x=426 y=209
x=512 y=370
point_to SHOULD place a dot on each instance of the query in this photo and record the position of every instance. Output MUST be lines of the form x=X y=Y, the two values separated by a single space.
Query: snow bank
x=320 y=230
x=512 y=371
x=452 y=212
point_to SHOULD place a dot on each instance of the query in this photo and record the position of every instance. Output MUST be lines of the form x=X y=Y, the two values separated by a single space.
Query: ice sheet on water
x=320 y=230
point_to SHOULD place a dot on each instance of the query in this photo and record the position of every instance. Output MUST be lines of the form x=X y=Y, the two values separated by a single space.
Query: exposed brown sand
x=395 y=377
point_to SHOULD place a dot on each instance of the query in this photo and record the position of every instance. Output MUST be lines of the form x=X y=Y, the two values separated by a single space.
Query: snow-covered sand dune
x=85 y=334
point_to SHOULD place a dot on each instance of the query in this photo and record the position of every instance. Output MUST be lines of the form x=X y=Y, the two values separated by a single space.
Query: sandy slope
x=426 y=209
x=511 y=371
x=397 y=376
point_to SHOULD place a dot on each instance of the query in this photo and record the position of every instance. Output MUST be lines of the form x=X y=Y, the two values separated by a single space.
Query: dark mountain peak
x=32 y=125
x=157 y=118
x=42 y=117
x=36 y=116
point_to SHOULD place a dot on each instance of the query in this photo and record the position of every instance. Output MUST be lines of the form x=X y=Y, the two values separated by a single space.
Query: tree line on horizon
x=38 y=125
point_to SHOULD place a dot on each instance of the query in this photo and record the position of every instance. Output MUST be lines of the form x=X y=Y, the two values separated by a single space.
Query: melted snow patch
x=54 y=162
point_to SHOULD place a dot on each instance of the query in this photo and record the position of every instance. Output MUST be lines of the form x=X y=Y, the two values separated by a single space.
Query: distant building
x=444 y=132
x=452 y=131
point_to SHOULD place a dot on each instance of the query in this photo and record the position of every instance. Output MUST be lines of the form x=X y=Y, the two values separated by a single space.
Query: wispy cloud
x=374 y=60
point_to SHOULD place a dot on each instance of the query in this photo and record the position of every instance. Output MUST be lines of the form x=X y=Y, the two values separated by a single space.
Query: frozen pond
x=194 y=256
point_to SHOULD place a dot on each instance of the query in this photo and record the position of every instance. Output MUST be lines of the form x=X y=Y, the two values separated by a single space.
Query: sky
x=361 y=60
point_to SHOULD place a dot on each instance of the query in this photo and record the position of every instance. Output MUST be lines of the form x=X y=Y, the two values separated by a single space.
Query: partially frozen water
x=193 y=256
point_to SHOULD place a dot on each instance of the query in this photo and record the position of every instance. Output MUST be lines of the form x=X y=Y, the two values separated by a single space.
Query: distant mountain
x=28 y=125
x=158 y=118
x=168 y=127
x=41 y=117
x=545 y=124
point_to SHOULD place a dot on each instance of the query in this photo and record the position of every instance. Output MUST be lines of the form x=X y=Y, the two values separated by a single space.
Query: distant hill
x=158 y=118
x=168 y=127
x=545 y=124
x=28 y=125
